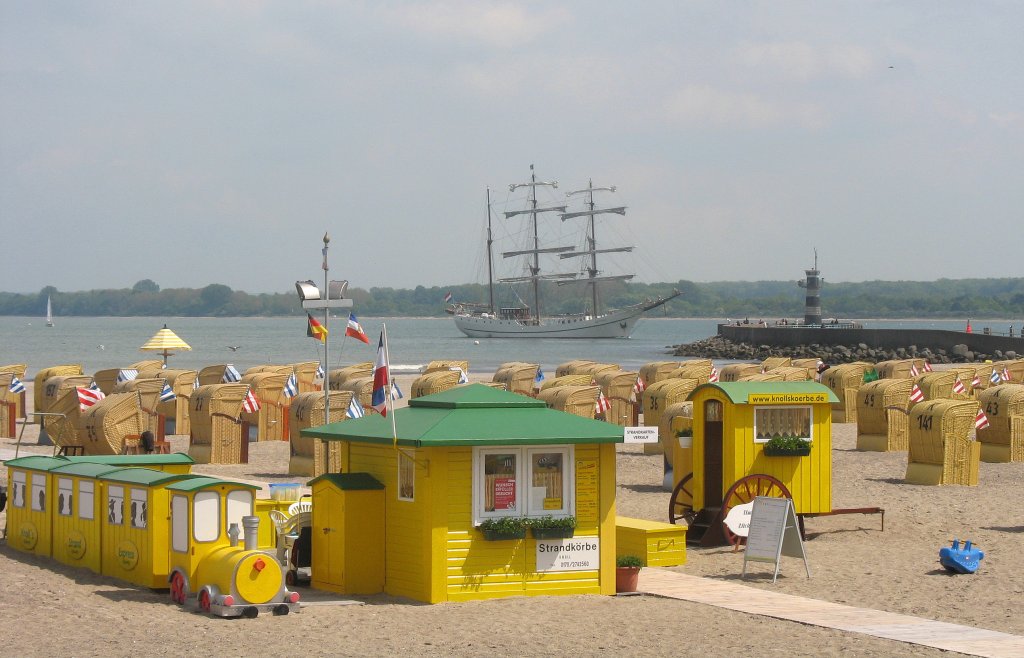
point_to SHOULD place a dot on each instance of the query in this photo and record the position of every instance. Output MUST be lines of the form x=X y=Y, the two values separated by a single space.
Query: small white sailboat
x=49 y=312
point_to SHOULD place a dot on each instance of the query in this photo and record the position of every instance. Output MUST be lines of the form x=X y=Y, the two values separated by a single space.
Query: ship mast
x=592 y=249
x=533 y=211
x=490 y=257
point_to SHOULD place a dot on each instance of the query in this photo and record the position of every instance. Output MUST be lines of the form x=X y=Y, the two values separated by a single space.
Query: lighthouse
x=812 y=305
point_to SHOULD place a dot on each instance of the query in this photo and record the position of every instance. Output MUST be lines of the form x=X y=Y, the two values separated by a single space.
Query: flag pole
x=327 y=338
x=388 y=400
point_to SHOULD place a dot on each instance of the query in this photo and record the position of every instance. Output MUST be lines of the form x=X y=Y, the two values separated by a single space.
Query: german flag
x=316 y=330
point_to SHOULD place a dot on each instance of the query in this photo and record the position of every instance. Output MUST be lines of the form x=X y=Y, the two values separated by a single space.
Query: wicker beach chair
x=305 y=376
x=658 y=397
x=271 y=419
x=339 y=376
x=735 y=372
x=517 y=376
x=940 y=449
x=571 y=367
x=18 y=370
x=883 y=408
x=60 y=396
x=567 y=380
x=39 y=398
x=112 y=425
x=219 y=436
x=773 y=362
x=844 y=380
x=435 y=381
x=149 y=391
x=617 y=386
x=446 y=364
x=1003 y=439
x=310 y=456
x=655 y=371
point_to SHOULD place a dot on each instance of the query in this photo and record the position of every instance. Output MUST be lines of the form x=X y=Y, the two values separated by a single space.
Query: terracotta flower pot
x=626 y=578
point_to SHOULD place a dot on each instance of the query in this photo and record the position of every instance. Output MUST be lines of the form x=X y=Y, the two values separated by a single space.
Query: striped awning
x=165 y=340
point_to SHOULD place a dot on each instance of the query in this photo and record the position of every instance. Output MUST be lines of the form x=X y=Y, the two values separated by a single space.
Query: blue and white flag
x=231 y=375
x=126 y=375
x=195 y=384
x=355 y=410
x=539 y=377
x=319 y=371
x=396 y=393
x=17 y=386
x=94 y=386
x=291 y=387
x=167 y=394
x=463 y=377
x=994 y=377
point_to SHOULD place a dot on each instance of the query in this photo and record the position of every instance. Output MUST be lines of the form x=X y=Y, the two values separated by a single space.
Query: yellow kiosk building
x=462 y=457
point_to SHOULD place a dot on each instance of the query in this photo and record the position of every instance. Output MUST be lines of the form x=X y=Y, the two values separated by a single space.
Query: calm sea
x=98 y=343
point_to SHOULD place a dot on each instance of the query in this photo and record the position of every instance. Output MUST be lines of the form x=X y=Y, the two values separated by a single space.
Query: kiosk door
x=713 y=453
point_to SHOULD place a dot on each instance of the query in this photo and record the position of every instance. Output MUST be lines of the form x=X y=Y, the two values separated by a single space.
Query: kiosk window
x=39 y=492
x=115 y=505
x=772 y=422
x=18 y=490
x=522 y=481
x=138 y=508
x=406 y=476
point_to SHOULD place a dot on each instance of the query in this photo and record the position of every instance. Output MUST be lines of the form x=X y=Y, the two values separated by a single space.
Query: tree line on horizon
x=721 y=299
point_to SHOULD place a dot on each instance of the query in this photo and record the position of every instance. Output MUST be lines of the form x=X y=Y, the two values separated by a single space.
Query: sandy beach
x=49 y=609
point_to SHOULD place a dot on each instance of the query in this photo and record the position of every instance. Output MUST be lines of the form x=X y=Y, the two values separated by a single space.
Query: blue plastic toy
x=960 y=560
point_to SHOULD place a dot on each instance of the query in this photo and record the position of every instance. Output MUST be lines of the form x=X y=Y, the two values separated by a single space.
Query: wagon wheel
x=204 y=600
x=680 y=506
x=744 y=491
x=178 y=588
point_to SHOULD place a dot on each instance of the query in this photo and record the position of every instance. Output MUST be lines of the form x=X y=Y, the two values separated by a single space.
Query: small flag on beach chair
x=195 y=383
x=463 y=377
x=231 y=375
x=714 y=375
x=994 y=378
x=319 y=371
x=927 y=366
x=1005 y=376
x=976 y=382
x=396 y=393
x=88 y=397
x=538 y=378
x=17 y=386
x=602 y=405
x=914 y=372
x=958 y=386
x=126 y=375
x=355 y=410
x=639 y=386
x=167 y=393
x=291 y=387
x=250 y=404
x=916 y=394
x=981 y=420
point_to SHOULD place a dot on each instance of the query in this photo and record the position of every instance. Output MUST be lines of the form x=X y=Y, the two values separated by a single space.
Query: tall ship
x=523 y=320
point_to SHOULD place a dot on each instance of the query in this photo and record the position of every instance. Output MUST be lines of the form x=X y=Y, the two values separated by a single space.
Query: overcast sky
x=215 y=142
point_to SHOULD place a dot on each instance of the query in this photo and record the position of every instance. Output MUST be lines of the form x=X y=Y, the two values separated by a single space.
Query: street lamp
x=332 y=296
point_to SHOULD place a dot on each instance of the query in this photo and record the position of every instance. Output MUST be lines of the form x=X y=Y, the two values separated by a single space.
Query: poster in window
x=504 y=493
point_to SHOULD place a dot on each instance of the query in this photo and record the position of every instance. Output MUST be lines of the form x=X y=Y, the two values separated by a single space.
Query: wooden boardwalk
x=877 y=623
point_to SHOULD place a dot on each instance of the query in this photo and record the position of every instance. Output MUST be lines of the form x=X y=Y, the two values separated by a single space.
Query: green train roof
x=146 y=477
x=349 y=481
x=740 y=392
x=85 y=469
x=36 y=462
x=136 y=460
x=474 y=415
x=199 y=482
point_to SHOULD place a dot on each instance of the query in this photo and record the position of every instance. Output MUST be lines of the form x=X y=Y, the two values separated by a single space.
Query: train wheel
x=745 y=490
x=290 y=577
x=680 y=505
x=178 y=588
x=204 y=600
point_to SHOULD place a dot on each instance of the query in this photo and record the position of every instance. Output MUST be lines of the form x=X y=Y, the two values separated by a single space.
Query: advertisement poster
x=504 y=493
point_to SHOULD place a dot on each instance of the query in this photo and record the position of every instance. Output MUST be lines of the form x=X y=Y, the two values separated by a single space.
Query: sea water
x=109 y=342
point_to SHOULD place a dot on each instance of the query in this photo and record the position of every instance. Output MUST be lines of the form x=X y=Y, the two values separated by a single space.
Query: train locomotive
x=148 y=527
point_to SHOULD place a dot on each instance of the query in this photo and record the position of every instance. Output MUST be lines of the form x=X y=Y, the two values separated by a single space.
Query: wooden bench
x=658 y=544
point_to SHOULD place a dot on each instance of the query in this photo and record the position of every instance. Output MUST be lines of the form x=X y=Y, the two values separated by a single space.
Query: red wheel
x=745 y=490
x=178 y=588
x=204 y=600
x=290 y=577
x=680 y=505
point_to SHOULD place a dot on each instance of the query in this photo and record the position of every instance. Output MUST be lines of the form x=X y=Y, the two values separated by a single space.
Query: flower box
x=787 y=452
x=552 y=533
x=503 y=535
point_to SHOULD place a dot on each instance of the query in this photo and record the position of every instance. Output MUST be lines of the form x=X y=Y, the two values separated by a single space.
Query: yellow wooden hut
x=462 y=457
x=81 y=504
x=28 y=512
x=733 y=423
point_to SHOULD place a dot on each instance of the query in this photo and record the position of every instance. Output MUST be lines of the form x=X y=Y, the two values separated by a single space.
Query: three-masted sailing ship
x=523 y=321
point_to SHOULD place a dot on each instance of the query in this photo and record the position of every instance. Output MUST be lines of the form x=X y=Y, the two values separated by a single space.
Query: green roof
x=349 y=481
x=36 y=462
x=146 y=477
x=198 y=482
x=85 y=469
x=136 y=460
x=474 y=415
x=739 y=392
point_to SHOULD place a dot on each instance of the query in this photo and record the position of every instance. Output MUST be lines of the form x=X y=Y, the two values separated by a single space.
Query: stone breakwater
x=718 y=347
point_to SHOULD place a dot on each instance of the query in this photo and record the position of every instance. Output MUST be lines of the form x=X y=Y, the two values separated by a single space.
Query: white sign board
x=640 y=435
x=774 y=532
x=573 y=554
x=738 y=519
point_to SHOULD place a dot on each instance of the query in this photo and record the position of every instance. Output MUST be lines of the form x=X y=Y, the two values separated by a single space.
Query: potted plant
x=552 y=527
x=787 y=446
x=627 y=572
x=685 y=437
x=502 y=528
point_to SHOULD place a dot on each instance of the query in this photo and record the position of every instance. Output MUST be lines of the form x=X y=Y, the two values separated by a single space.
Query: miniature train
x=154 y=528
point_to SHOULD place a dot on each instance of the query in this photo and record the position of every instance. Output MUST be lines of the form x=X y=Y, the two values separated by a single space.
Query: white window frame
x=239 y=503
x=206 y=516
x=65 y=486
x=141 y=498
x=523 y=477
x=38 y=487
x=179 y=523
x=810 y=416
x=115 y=493
x=86 y=500
x=19 y=490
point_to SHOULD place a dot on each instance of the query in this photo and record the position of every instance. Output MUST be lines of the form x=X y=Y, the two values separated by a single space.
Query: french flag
x=379 y=401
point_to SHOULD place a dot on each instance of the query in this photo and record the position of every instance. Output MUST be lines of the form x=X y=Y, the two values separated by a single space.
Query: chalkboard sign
x=774 y=532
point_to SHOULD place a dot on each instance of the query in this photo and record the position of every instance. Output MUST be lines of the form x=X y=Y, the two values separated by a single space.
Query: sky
x=198 y=142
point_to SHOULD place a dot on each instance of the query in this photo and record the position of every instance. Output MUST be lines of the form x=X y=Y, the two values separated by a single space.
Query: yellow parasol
x=164 y=341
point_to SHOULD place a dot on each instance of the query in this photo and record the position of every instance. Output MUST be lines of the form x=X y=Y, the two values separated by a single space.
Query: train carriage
x=81 y=505
x=28 y=506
